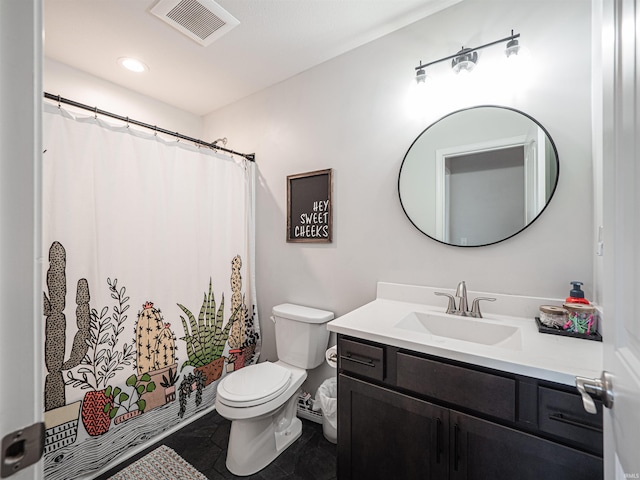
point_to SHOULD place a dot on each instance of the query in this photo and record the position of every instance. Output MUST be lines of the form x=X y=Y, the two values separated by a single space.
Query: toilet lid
x=254 y=384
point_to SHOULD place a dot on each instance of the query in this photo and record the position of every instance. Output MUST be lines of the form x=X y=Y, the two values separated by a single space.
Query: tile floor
x=203 y=444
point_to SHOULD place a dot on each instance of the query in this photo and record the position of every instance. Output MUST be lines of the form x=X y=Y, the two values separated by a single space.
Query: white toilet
x=260 y=400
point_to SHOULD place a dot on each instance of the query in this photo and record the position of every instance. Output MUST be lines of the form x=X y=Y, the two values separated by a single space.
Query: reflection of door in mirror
x=536 y=173
x=480 y=182
x=488 y=177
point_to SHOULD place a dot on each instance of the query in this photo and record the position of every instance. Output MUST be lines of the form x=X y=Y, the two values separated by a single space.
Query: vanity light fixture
x=466 y=59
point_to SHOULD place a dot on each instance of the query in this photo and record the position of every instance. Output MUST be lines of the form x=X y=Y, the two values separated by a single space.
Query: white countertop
x=548 y=357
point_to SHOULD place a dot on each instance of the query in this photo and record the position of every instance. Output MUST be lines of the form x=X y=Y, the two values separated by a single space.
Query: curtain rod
x=249 y=156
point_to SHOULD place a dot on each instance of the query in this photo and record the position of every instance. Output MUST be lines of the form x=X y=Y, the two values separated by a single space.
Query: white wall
x=68 y=82
x=351 y=114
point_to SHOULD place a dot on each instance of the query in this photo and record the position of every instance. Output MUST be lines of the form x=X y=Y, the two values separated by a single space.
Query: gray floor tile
x=203 y=444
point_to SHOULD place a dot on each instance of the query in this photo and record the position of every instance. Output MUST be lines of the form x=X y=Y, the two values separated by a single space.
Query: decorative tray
x=595 y=336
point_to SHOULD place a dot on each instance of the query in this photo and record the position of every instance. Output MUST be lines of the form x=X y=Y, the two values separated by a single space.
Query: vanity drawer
x=562 y=414
x=361 y=358
x=479 y=391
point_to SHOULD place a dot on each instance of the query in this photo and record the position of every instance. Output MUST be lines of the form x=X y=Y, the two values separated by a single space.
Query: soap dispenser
x=576 y=295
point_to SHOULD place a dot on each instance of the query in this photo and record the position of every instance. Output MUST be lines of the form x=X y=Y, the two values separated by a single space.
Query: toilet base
x=255 y=443
x=290 y=435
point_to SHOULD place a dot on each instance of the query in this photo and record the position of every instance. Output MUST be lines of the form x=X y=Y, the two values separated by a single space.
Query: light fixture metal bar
x=469 y=50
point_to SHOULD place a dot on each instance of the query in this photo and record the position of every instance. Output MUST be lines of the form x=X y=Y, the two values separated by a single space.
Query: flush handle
x=601 y=388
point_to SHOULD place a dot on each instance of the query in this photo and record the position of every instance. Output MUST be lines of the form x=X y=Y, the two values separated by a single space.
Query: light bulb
x=132 y=64
x=513 y=48
x=465 y=61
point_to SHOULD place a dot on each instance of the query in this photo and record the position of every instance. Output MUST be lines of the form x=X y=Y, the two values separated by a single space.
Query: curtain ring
x=95 y=113
x=127 y=122
x=177 y=137
x=58 y=101
x=155 y=130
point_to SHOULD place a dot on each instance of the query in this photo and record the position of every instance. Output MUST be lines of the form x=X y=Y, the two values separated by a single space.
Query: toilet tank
x=301 y=334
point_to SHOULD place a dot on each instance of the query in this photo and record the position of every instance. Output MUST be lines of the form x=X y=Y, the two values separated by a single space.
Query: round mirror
x=478 y=176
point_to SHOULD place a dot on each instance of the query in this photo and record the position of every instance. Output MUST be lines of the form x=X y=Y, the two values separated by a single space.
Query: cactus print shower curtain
x=148 y=288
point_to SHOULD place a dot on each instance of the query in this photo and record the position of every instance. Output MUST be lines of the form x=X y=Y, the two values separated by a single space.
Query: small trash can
x=327 y=401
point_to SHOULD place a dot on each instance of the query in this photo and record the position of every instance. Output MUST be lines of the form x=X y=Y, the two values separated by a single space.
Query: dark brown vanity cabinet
x=386 y=434
x=407 y=415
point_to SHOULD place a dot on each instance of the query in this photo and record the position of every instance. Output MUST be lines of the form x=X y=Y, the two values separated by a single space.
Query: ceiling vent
x=203 y=21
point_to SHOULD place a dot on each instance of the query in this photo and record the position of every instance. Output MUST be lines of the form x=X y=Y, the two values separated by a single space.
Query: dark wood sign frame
x=310 y=207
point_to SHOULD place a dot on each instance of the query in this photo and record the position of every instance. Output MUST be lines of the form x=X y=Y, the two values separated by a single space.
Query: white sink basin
x=473 y=330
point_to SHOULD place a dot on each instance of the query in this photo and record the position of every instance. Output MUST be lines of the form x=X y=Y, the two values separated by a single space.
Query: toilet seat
x=254 y=385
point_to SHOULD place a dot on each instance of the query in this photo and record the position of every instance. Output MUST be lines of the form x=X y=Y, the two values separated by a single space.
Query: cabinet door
x=482 y=450
x=385 y=435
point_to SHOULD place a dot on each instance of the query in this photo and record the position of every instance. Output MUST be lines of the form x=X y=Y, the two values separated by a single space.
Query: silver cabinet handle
x=601 y=388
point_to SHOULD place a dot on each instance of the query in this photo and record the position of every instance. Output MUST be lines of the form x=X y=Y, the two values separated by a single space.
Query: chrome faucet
x=461 y=295
x=463 y=304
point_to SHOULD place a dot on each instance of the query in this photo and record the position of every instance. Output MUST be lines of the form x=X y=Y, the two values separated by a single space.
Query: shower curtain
x=148 y=293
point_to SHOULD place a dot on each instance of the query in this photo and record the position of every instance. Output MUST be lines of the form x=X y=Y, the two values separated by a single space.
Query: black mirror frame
x=553 y=191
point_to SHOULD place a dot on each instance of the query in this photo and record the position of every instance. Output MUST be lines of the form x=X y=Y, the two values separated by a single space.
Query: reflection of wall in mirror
x=417 y=184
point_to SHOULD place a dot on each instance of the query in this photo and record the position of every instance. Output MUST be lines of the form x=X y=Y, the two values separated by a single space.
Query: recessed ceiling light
x=132 y=64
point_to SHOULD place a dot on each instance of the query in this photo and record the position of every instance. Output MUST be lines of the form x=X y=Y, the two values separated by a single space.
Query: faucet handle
x=451 y=307
x=475 y=307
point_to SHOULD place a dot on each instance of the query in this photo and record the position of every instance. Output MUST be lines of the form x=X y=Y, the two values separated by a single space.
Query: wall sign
x=309 y=208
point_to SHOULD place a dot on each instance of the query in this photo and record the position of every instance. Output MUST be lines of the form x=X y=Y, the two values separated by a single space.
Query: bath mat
x=160 y=464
